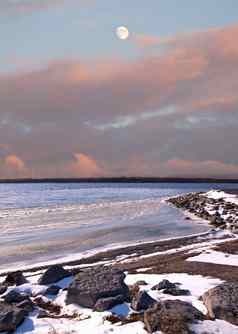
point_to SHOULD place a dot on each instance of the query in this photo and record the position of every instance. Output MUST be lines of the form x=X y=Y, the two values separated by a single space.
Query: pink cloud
x=13 y=166
x=12 y=161
x=84 y=166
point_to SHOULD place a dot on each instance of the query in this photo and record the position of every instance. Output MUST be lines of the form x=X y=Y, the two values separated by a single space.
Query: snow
x=96 y=324
x=141 y=270
x=31 y=289
x=216 y=238
x=214 y=327
x=216 y=257
x=216 y=194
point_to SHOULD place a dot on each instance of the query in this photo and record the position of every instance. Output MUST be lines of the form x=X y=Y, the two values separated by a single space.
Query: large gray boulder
x=53 y=274
x=97 y=283
x=10 y=317
x=171 y=317
x=222 y=302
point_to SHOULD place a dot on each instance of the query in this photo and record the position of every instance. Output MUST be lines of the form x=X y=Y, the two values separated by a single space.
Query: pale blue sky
x=77 y=29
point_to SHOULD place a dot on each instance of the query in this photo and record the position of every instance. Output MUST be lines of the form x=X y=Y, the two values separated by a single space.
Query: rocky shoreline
x=185 y=285
x=211 y=207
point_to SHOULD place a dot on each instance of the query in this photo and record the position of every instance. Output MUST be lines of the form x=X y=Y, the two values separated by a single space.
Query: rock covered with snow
x=97 y=283
x=222 y=302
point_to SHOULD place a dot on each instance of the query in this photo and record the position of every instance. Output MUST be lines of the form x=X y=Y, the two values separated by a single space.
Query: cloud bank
x=171 y=114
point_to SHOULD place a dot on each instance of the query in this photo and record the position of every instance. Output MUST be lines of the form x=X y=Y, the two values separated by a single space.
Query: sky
x=77 y=101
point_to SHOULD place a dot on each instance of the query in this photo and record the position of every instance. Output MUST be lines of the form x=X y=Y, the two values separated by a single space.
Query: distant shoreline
x=122 y=180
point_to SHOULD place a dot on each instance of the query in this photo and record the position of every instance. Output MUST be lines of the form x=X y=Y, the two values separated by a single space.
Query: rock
x=171 y=317
x=96 y=283
x=3 y=289
x=165 y=284
x=142 y=301
x=15 y=297
x=53 y=275
x=104 y=304
x=15 y=278
x=10 y=317
x=216 y=220
x=141 y=283
x=26 y=305
x=222 y=302
x=133 y=291
x=47 y=304
x=112 y=318
x=42 y=314
x=177 y=292
x=52 y=290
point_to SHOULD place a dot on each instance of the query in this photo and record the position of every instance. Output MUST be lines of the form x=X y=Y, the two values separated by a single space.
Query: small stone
x=142 y=301
x=54 y=274
x=165 y=284
x=47 y=304
x=3 y=289
x=26 y=305
x=141 y=283
x=177 y=292
x=15 y=297
x=104 y=304
x=15 y=278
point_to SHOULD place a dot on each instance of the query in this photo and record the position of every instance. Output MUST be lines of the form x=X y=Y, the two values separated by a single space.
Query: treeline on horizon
x=122 y=180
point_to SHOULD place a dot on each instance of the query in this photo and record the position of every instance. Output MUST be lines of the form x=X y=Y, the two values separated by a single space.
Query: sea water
x=47 y=221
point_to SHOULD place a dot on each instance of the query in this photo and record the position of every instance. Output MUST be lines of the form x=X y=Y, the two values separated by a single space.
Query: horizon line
x=121 y=179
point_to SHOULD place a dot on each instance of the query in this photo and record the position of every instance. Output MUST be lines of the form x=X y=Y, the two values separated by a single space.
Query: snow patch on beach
x=214 y=327
x=216 y=257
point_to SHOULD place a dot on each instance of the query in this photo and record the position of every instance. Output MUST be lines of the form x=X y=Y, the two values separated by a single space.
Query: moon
x=122 y=33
